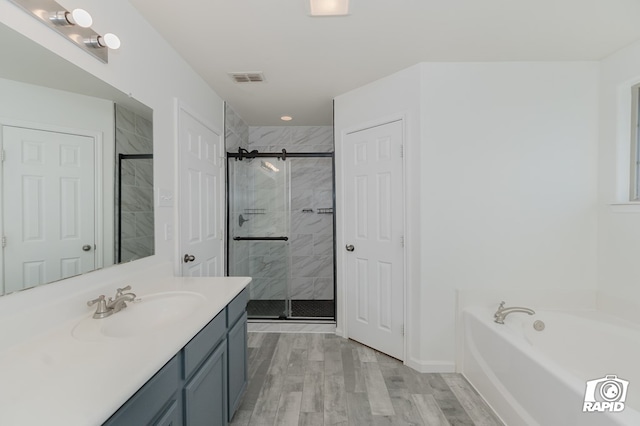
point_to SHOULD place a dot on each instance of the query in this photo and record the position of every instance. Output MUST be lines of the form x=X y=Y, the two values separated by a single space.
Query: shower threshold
x=300 y=309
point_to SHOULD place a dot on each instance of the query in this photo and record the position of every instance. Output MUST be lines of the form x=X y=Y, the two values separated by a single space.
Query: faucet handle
x=102 y=310
x=119 y=291
x=99 y=299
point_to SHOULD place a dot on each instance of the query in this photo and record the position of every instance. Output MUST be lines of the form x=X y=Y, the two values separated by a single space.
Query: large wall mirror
x=76 y=173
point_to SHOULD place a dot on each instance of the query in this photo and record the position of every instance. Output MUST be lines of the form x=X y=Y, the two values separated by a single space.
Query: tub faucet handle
x=500 y=308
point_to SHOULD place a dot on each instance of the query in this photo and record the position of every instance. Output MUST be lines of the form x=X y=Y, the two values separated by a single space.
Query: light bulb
x=112 y=41
x=82 y=18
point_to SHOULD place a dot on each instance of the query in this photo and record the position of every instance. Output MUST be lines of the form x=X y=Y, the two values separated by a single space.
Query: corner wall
x=502 y=158
x=508 y=178
x=618 y=219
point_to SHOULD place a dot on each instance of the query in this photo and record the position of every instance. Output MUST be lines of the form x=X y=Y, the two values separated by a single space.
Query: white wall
x=395 y=96
x=619 y=221
x=148 y=69
x=507 y=185
x=506 y=174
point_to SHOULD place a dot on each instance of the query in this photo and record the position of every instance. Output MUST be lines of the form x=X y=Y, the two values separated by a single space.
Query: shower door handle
x=350 y=247
x=189 y=258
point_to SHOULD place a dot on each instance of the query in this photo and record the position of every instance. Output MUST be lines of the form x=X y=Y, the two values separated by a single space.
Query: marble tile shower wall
x=237 y=135
x=291 y=138
x=134 y=135
x=236 y=131
x=309 y=264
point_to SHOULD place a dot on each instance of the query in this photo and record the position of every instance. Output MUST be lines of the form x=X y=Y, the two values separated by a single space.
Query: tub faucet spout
x=502 y=312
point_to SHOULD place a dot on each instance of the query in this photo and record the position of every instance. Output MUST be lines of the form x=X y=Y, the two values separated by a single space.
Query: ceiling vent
x=247 y=77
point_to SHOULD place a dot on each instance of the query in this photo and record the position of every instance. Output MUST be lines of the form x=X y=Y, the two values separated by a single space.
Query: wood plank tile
x=316 y=347
x=311 y=419
x=313 y=393
x=405 y=408
x=476 y=407
x=447 y=401
x=254 y=340
x=316 y=379
x=358 y=409
x=298 y=359
x=280 y=358
x=241 y=418
x=335 y=404
x=366 y=354
x=429 y=410
x=332 y=357
x=289 y=409
x=377 y=392
x=267 y=403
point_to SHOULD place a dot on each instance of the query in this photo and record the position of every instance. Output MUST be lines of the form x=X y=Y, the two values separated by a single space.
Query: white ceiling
x=308 y=61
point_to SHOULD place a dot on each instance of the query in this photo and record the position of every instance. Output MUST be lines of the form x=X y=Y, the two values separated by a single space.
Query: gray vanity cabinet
x=203 y=383
x=237 y=348
x=205 y=393
x=156 y=402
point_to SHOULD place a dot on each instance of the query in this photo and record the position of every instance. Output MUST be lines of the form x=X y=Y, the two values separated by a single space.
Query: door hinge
x=401 y=151
x=2 y=155
x=4 y=241
x=402 y=241
x=402 y=329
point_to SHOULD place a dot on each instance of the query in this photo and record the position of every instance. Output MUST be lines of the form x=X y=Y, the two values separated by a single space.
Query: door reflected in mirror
x=77 y=169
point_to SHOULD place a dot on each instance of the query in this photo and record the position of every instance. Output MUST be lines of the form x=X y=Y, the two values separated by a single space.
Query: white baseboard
x=431 y=366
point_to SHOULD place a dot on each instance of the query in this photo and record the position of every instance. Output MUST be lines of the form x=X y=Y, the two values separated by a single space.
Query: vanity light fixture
x=75 y=26
x=286 y=118
x=78 y=17
x=329 y=7
x=108 y=40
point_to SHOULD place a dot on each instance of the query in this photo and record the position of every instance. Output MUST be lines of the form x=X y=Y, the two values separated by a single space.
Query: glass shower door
x=258 y=243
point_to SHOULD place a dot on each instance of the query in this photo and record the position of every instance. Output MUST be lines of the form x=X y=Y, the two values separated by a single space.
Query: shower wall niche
x=287 y=206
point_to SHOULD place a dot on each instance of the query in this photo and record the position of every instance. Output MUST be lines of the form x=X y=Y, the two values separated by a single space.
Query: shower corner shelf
x=255 y=211
x=328 y=210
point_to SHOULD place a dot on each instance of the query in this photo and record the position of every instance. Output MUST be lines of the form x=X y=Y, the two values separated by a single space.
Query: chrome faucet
x=109 y=307
x=502 y=312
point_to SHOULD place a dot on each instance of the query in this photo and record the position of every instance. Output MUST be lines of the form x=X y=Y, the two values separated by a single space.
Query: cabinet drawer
x=151 y=398
x=237 y=307
x=200 y=346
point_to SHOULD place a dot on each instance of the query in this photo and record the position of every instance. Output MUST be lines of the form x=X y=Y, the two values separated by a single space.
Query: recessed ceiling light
x=329 y=7
x=286 y=118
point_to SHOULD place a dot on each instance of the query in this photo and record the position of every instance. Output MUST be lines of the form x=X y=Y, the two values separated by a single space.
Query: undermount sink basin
x=148 y=314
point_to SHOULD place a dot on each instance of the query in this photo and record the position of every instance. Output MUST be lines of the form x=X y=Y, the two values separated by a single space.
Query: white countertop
x=49 y=377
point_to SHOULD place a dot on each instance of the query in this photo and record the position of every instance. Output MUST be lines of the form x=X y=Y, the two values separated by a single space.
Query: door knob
x=350 y=247
x=189 y=258
x=86 y=247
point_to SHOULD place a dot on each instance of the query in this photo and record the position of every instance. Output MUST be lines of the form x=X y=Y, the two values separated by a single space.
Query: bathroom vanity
x=203 y=383
x=175 y=356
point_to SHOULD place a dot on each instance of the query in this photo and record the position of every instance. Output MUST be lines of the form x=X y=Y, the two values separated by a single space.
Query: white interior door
x=201 y=198
x=48 y=206
x=373 y=227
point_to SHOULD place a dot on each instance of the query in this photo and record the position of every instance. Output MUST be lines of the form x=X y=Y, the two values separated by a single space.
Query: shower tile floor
x=323 y=379
x=299 y=308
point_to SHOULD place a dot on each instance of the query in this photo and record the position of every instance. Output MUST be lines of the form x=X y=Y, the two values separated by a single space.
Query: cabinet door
x=205 y=395
x=150 y=401
x=237 y=344
x=172 y=416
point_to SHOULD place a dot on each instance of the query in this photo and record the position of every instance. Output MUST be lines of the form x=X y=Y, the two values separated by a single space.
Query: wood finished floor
x=323 y=379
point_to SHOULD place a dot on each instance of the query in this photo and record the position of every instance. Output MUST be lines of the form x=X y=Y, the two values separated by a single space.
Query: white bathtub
x=534 y=377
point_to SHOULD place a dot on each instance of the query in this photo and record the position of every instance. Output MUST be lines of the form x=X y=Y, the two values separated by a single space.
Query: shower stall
x=280 y=232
